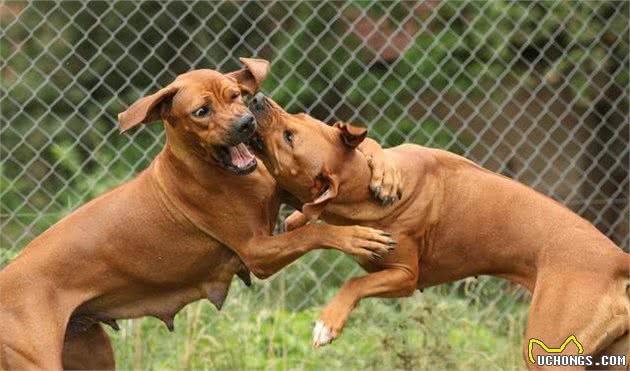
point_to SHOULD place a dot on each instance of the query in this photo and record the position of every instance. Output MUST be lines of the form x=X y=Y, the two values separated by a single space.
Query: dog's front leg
x=295 y=220
x=399 y=279
x=386 y=180
x=265 y=255
x=89 y=349
x=389 y=283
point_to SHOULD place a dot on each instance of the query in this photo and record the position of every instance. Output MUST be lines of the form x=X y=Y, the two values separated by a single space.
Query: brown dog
x=455 y=220
x=158 y=242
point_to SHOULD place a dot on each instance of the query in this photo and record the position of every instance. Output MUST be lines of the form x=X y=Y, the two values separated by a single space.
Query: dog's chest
x=163 y=305
x=166 y=290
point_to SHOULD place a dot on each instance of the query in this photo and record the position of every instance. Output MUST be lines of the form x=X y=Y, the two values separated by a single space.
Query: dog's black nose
x=258 y=102
x=245 y=124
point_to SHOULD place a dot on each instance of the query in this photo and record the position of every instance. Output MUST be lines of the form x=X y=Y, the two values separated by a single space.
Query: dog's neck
x=190 y=160
x=193 y=186
x=355 y=202
x=203 y=180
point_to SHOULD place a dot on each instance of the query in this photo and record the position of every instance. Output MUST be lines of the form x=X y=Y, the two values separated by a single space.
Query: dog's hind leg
x=583 y=307
x=620 y=347
x=32 y=319
x=89 y=349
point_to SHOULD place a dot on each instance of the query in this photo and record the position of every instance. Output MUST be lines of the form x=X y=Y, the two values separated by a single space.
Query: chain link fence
x=534 y=90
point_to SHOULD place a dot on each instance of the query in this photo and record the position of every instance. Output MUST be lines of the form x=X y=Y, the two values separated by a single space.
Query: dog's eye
x=288 y=137
x=235 y=95
x=201 y=112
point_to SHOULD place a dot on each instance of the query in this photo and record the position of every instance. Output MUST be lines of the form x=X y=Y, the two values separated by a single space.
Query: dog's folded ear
x=351 y=135
x=145 y=110
x=252 y=76
x=328 y=187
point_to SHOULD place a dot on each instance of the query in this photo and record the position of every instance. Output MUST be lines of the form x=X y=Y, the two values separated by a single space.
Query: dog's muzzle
x=235 y=156
x=258 y=104
x=243 y=128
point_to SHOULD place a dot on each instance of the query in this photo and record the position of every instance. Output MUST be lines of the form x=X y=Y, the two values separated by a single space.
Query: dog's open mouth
x=257 y=143
x=238 y=159
x=321 y=185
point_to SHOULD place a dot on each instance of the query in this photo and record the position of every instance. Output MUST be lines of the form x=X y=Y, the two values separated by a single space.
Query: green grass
x=254 y=331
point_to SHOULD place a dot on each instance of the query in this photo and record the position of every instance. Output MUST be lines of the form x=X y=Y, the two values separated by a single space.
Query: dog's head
x=204 y=111
x=304 y=154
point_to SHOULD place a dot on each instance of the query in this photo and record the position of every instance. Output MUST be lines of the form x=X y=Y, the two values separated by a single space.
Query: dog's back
x=470 y=221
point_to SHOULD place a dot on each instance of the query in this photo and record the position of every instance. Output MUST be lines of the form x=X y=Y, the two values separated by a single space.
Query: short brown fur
x=176 y=233
x=455 y=220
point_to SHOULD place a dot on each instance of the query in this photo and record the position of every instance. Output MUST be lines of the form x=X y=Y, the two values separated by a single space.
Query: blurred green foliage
x=69 y=68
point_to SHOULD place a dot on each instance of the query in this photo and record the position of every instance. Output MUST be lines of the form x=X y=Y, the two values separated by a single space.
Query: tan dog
x=455 y=220
x=158 y=242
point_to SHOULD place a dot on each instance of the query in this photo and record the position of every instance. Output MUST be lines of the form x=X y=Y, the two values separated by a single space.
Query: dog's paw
x=294 y=221
x=386 y=182
x=322 y=335
x=362 y=242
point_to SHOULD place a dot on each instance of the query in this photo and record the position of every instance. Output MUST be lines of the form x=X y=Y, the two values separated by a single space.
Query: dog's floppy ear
x=252 y=76
x=330 y=186
x=351 y=136
x=145 y=110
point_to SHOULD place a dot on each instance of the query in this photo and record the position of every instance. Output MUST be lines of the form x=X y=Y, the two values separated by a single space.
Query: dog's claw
x=244 y=275
x=377 y=191
x=112 y=323
x=322 y=335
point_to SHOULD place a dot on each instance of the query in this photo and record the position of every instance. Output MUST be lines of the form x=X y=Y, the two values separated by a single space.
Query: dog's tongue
x=241 y=157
